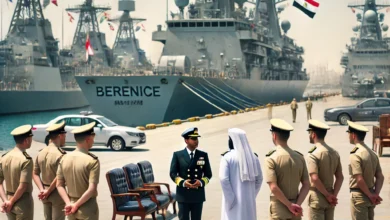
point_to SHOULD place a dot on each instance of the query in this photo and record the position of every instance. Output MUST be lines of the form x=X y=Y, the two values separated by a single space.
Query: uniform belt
x=46 y=185
x=274 y=198
x=315 y=189
x=10 y=193
x=359 y=190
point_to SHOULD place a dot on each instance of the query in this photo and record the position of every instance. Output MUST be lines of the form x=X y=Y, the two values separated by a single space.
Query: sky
x=324 y=37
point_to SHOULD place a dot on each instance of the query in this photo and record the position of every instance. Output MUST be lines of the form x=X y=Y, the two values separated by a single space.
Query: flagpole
x=62 y=29
x=1 y=6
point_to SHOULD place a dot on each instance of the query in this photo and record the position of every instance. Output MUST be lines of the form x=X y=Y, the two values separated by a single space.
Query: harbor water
x=9 y=122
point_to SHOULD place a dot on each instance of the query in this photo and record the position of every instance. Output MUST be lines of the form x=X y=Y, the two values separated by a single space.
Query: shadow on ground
x=137 y=150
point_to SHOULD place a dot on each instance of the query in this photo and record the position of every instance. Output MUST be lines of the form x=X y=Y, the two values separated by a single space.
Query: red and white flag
x=88 y=48
x=54 y=2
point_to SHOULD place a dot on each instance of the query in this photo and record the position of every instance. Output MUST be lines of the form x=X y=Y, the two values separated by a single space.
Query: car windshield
x=107 y=122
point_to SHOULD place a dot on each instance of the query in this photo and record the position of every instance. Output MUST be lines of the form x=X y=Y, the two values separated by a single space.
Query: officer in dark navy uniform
x=191 y=171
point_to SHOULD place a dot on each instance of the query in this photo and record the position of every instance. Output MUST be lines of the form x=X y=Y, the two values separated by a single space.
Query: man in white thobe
x=241 y=177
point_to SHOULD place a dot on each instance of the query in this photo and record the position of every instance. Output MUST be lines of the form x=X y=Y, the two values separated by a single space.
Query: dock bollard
x=209 y=116
x=151 y=126
x=234 y=112
x=176 y=121
x=142 y=128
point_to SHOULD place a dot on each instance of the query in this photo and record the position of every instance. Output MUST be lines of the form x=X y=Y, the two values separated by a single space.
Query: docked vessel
x=216 y=59
x=367 y=60
x=32 y=74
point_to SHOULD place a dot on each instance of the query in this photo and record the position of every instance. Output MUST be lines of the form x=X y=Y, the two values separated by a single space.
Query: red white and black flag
x=88 y=48
x=309 y=7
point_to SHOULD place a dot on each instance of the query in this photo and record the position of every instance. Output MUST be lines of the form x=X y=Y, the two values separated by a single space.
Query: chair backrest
x=384 y=123
x=117 y=183
x=146 y=171
x=134 y=178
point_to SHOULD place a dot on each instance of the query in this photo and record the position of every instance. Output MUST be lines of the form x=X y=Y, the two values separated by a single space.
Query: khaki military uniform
x=363 y=161
x=294 y=107
x=269 y=106
x=77 y=169
x=325 y=162
x=309 y=106
x=287 y=168
x=47 y=163
x=16 y=167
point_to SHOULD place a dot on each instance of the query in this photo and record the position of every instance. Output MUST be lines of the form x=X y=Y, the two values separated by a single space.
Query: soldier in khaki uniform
x=294 y=107
x=47 y=163
x=269 y=106
x=16 y=168
x=285 y=169
x=309 y=106
x=79 y=171
x=366 y=178
x=323 y=163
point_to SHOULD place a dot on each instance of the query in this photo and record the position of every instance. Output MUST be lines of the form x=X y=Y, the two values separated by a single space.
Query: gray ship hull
x=14 y=102
x=140 y=100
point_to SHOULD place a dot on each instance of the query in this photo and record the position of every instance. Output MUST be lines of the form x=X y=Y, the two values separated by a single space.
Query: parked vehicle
x=366 y=110
x=107 y=132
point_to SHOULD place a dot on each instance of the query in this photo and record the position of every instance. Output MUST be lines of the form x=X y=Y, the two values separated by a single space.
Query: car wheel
x=116 y=143
x=343 y=118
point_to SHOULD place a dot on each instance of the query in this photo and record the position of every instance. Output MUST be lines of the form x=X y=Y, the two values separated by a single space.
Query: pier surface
x=162 y=142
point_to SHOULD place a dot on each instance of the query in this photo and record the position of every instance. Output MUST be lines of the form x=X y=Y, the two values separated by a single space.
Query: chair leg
x=174 y=207
x=154 y=215
x=142 y=217
x=131 y=217
x=125 y=217
x=163 y=213
x=113 y=216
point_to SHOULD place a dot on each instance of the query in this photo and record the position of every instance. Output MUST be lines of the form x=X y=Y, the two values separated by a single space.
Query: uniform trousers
x=193 y=209
x=53 y=206
x=361 y=207
x=308 y=114
x=278 y=211
x=88 y=211
x=319 y=207
x=23 y=209
x=294 y=114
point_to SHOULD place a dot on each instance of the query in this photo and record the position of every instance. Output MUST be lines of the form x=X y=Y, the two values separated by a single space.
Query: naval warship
x=367 y=60
x=218 y=56
x=33 y=76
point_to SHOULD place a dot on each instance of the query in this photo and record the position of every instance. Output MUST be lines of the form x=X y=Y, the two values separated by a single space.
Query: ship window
x=199 y=24
x=207 y=24
x=184 y=24
x=230 y=24
x=222 y=24
x=214 y=24
x=192 y=24
x=170 y=25
x=177 y=24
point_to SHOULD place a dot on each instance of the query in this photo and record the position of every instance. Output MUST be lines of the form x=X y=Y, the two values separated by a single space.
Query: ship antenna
x=1 y=28
x=167 y=11
x=62 y=40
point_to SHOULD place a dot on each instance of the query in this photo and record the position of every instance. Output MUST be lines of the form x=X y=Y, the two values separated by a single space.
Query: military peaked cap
x=85 y=129
x=317 y=125
x=355 y=127
x=280 y=125
x=190 y=132
x=57 y=128
x=24 y=130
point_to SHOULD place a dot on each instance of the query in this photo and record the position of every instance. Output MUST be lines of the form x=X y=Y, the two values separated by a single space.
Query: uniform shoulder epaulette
x=61 y=150
x=27 y=156
x=225 y=153
x=93 y=156
x=40 y=150
x=313 y=149
x=298 y=152
x=5 y=153
x=270 y=153
x=354 y=150
x=256 y=155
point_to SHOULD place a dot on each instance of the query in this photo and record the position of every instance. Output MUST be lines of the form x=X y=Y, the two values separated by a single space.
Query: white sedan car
x=107 y=132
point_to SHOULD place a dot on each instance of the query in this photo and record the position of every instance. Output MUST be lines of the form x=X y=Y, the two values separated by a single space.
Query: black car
x=367 y=110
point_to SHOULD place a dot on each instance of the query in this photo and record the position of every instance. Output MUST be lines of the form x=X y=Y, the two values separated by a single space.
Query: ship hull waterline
x=141 y=100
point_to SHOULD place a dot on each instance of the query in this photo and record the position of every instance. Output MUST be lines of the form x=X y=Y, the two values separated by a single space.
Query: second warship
x=217 y=59
x=367 y=60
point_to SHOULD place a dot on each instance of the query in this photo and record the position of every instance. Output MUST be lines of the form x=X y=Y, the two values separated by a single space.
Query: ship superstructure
x=367 y=60
x=30 y=67
x=217 y=57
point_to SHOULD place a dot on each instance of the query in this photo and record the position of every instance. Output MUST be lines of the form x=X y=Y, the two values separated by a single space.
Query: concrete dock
x=162 y=142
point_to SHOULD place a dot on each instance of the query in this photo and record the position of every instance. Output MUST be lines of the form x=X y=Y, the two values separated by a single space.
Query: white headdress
x=246 y=158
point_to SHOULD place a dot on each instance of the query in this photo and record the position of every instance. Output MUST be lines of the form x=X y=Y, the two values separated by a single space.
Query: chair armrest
x=137 y=196
x=158 y=184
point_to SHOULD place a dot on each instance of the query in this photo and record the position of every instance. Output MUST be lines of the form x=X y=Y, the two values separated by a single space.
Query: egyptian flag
x=54 y=2
x=309 y=7
x=88 y=48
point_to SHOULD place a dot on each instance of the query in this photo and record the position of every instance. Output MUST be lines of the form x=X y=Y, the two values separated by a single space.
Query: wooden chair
x=148 y=178
x=381 y=134
x=136 y=184
x=125 y=203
